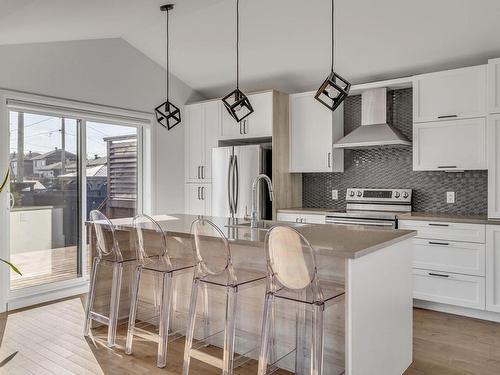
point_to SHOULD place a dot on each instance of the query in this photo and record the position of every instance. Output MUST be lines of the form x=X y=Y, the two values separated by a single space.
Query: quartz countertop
x=336 y=240
x=454 y=218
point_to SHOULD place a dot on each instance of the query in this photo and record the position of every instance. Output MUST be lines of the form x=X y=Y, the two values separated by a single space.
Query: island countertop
x=337 y=240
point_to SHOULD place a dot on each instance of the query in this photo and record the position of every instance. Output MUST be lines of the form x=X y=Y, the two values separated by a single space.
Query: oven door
x=358 y=221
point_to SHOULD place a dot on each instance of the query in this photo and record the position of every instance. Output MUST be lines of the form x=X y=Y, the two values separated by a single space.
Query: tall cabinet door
x=493 y=268
x=194 y=141
x=493 y=147
x=211 y=120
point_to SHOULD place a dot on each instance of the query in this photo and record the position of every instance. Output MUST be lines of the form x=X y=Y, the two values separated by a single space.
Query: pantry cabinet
x=202 y=122
x=451 y=94
x=258 y=124
x=313 y=130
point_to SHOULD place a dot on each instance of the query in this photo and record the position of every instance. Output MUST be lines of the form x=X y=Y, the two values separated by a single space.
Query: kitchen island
x=369 y=331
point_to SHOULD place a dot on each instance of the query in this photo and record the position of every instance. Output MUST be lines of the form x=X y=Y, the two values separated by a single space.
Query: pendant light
x=236 y=103
x=167 y=114
x=334 y=89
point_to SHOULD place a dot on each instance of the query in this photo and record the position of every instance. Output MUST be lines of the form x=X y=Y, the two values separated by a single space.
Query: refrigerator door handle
x=236 y=187
x=229 y=185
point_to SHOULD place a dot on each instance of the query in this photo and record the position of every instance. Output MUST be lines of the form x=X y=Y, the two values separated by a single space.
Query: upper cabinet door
x=194 y=141
x=311 y=135
x=258 y=124
x=494 y=86
x=450 y=145
x=452 y=94
x=211 y=120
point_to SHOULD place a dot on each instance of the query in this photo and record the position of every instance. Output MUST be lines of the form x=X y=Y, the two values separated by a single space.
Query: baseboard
x=22 y=298
x=456 y=310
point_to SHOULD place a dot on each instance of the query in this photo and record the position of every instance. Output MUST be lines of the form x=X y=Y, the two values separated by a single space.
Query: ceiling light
x=334 y=89
x=167 y=114
x=236 y=103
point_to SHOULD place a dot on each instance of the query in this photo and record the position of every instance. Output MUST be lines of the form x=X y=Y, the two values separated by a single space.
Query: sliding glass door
x=61 y=169
x=45 y=225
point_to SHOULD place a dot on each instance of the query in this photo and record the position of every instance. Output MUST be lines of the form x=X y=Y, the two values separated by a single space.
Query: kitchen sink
x=266 y=225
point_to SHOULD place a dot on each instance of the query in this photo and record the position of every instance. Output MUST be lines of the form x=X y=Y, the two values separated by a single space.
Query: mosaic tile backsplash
x=392 y=168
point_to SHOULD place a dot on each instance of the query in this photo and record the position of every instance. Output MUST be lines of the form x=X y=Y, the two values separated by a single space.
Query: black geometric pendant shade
x=333 y=91
x=168 y=115
x=237 y=104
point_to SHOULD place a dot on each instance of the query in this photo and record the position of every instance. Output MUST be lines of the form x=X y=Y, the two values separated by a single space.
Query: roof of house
x=69 y=155
x=95 y=171
x=28 y=156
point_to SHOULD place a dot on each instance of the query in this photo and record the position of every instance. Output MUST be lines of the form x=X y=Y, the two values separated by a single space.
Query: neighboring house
x=50 y=164
x=28 y=164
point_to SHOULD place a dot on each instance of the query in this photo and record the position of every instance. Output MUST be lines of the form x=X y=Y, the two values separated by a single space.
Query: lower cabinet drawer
x=449 y=288
x=446 y=231
x=456 y=257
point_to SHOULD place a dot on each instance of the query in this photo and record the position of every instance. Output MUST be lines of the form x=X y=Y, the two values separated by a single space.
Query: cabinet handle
x=202 y=172
x=296 y=219
x=329 y=160
x=439 y=243
x=446 y=166
x=199 y=196
x=202 y=193
x=447 y=116
x=438 y=274
x=241 y=132
x=198 y=172
x=438 y=225
x=245 y=131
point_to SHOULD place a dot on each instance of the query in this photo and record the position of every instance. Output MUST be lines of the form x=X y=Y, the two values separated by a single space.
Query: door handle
x=236 y=187
x=245 y=131
x=438 y=225
x=447 y=116
x=241 y=131
x=438 y=274
x=439 y=243
x=447 y=166
x=202 y=193
x=202 y=172
x=199 y=193
x=229 y=185
x=198 y=172
x=329 y=160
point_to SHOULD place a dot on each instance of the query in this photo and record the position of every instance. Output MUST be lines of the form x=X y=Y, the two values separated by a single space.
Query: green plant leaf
x=14 y=268
x=4 y=181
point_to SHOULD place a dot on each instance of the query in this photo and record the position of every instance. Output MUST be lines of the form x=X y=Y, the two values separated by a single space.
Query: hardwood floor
x=49 y=340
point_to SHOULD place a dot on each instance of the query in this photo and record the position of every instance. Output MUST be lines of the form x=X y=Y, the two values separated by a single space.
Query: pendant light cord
x=237 y=44
x=166 y=61
x=333 y=34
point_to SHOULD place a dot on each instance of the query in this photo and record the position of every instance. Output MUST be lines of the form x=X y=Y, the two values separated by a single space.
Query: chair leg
x=317 y=340
x=300 y=332
x=190 y=326
x=91 y=297
x=133 y=310
x=166 y=297
x=266 y=334
x=206 y=312
x=229 y=332
x=115 y=303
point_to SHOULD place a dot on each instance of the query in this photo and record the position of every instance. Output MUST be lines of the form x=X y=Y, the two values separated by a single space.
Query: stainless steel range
x=373 y=207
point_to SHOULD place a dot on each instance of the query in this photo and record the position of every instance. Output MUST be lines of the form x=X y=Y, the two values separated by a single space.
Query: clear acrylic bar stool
x=214 y=267
x=108 y=253
x=293 y=276
x=153 y=258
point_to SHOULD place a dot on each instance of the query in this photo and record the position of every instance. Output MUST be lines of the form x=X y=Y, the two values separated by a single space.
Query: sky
x=43 y=133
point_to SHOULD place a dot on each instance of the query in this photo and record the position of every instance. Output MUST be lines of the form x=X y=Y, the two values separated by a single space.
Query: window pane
x=44 y=219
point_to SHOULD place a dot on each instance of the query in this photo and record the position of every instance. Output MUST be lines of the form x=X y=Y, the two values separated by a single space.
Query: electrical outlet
x=335 y=195
x=450 y=197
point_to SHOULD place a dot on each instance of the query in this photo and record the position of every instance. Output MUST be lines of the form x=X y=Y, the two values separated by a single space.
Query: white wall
x=107 y=72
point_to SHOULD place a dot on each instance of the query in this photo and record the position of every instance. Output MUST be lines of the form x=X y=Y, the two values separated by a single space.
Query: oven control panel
x=379 y=195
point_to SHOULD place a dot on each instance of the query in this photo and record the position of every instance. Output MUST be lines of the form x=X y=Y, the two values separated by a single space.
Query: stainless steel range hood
x=374 y=130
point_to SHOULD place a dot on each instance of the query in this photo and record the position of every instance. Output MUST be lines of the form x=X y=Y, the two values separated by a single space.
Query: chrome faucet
x=255 y=185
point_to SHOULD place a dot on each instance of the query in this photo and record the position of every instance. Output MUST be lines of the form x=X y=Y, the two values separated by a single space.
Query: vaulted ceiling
x=284 y=43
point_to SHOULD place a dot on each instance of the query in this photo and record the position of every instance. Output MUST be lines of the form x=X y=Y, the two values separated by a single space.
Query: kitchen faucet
x=255 y=185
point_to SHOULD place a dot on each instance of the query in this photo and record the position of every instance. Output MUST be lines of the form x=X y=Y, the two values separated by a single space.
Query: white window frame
x=146 y=133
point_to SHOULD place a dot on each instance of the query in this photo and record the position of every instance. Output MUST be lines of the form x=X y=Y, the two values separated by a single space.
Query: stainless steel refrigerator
x=233 y=170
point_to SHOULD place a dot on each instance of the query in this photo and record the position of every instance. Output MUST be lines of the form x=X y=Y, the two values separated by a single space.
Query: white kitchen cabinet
x=493 y=268
x=313 y=130
x=258 y=124
x=451 y=94
x=449 y=288
x=450 y=145
x=202 y=122
x=493 y=133
x=494 y=86
x=198 y=198
x=297 y=217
